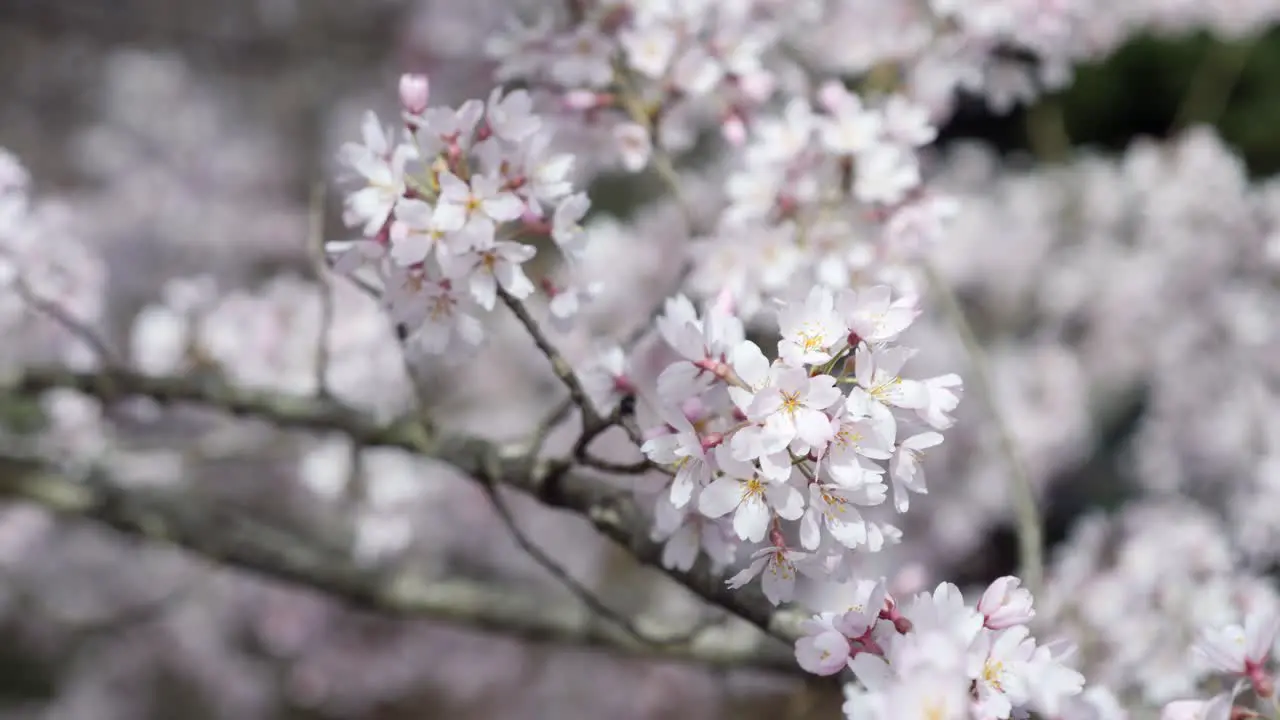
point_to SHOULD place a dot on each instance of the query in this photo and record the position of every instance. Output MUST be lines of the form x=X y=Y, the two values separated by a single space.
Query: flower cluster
x=798 y=442
x=274 y=338
x=829 y=193
x=936 y=657
x=1005 y=51
x=1243 y=651
x=655 y=73
x=1240 y=653
x=774 y=461
x=1135 y=591
x=52 y=288
x=441 y=207
x=45 y=262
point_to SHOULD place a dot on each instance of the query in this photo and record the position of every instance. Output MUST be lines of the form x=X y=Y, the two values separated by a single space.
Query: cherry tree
x=774 y=431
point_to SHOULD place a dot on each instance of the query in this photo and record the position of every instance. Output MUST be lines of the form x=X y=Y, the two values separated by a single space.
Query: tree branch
x=614 y=514
x=558 y=571
x=172 y=516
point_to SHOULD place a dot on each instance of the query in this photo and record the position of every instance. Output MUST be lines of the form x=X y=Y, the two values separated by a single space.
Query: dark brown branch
x=613 y=514
x=221 y=534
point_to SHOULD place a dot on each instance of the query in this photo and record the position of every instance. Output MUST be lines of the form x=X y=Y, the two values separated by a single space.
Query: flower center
x=992 y=671
x=812 y=338
x=835 y=504
x=848 y=436
x=880 y=391
x=441 y=307
x=790 y=402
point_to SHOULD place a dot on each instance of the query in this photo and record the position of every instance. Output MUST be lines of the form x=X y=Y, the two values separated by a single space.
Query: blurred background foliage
x=1151 y=87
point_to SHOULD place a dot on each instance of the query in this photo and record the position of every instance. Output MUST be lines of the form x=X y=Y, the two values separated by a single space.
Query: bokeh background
x=1116 y=236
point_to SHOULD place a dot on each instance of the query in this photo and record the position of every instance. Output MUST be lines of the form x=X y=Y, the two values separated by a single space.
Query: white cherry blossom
x=752 y=499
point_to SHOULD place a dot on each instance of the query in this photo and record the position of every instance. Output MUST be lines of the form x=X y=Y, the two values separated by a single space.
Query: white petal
x=751 y=522
x=720 y=497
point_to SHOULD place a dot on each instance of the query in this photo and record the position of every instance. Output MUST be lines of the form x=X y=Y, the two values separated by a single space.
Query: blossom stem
x=315 y=249
x=630 y=101
x=1214 y=80
x=1030 y=532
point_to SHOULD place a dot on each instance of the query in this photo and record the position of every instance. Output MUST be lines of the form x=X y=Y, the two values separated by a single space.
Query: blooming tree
x=768 y=433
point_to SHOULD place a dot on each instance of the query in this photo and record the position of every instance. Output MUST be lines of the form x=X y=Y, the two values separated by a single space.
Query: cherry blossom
x=802 y=213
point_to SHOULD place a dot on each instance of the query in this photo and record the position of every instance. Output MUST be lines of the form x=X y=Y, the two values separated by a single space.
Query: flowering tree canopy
x=799 y=381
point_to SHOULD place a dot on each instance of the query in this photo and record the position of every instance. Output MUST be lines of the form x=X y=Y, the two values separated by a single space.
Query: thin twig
x=148 y=611
x=292 y=411
x=591 y=419
x=366 y=286
x=662 y=163
x=71 y=324
x=315 y=248
x=558 y=571
x=1030 y=532
x=544 y=429
x=355 y=490
x=634 y=468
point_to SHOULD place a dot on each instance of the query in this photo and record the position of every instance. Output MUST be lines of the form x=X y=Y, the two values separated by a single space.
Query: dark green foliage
x=1150 y=87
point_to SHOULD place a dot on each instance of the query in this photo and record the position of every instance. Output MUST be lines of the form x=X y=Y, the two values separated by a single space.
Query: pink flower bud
x=581 y=100
x=724 y=302
x=623 y=385
x=910 y=579
x=734 y=130
x=1004 y=604
x=415 y=89
x=833 y=95
x=757 y=86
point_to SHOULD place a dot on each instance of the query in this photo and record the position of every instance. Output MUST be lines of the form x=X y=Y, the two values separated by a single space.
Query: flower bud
x=583 y=100
x=734 y=130
x=1004 y=604
x=724 y=302
x=415 y=89
x=910 y=579
x=833 y=95
x=634 y=146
